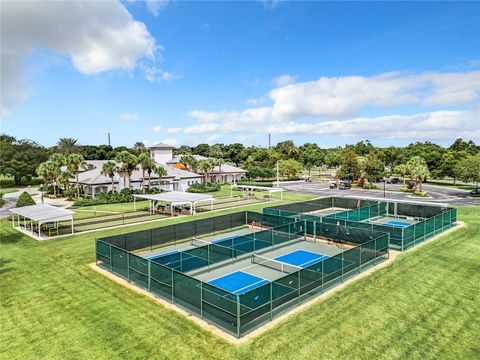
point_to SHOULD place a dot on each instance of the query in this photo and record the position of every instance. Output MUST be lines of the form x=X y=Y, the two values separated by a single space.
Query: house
x=226 y=173
x=177 y=179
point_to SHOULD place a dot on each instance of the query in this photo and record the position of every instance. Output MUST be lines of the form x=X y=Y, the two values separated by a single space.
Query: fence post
x=128 y=265
x=343 y=260
x=111 y=259
x=149 y=276
x=238 y=316
x=201 y=299
x=173 y=286
x=298 y=284
x=271 y=300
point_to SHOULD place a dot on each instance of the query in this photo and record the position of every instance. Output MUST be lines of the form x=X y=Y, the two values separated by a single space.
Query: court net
x=274 y=264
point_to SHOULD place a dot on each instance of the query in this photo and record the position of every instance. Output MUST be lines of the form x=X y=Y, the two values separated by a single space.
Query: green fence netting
x=240 y=314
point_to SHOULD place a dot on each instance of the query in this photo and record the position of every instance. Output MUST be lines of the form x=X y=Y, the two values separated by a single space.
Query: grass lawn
x=423 y=306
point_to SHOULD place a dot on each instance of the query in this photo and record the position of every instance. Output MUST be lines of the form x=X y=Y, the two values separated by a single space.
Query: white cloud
x=96 y=35
x=346 y=96
x=269 y=4
x=154 y=74
x=253 y=101
x=174 y=130
x=283 y=80
x=430 y=125
x=213 y=139
x=155 y=7
x=130 y=117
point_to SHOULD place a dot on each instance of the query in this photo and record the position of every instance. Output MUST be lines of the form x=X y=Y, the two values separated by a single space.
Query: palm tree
x=128 y=163
x=417 y=168
x=204 y=166
x=149 y=166
x=64 y=179
x=145 y=161
x=161 y=172
x=402 y=170
x=190 y=162
x=74 y=163
x=219 y=162
x=139 y=147
x=50 y=170
x=110 y=169
x=68 y=146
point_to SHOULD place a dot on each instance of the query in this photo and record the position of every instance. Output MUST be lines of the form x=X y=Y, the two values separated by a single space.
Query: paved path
x=438 y=193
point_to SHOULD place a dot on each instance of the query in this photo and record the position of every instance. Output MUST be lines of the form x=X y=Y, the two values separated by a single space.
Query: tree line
x=21 y=158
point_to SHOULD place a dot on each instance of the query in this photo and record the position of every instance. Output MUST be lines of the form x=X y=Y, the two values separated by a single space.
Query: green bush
x=369 y=186
x=204 y=188
x=420 y=193
x=124 y=196
x=2 y=202
x=255 y=183
x=25 y=200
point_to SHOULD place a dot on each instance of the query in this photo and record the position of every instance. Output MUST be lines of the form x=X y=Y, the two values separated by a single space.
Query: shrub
x=125 y=195
x=2 y=202
x=255 y=183
x=369 y=186
x=420 y=193
x=203 y=188
x=25 y=200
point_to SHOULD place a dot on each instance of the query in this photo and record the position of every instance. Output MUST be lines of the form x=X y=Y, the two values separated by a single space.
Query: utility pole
x=269 y=141
x=108 y=139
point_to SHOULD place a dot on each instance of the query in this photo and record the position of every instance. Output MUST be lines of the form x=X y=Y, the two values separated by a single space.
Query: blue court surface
x=397 y=224
x=301 y=258
x=238 y=282
x=225 y=240
x=162 y=255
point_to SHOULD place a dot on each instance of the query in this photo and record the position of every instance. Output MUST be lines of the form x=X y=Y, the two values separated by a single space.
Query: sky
x=205 y=72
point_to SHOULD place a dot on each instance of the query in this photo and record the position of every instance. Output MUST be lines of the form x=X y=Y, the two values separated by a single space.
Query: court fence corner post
x=238 y=316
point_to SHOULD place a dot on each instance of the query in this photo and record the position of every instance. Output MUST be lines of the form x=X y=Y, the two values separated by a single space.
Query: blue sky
x=192 y=72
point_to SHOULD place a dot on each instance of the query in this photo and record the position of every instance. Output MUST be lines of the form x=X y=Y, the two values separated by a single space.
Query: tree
x=50 y=171
x=149 y=166
x=255 y=172
x=139 y=147
x=64 y=179
x=110 y=169
x=20 y=158
x=233 y=153
x=310 y=155
x=468 y=169
x=402 y=170
x=448 y=164
x=201 y=149
x=25 y=199
x=290 y=168
x=204 y=166
x=145 y=162
x=287 y=149
x=469 y=147
x=373 y=168
x=333 y=157
x=128 y=163
x=190 y=162
x=349 y=166
x=219 y=163
x=75 y=162
x=161 y=172
x=68 y=146
x=418 y=170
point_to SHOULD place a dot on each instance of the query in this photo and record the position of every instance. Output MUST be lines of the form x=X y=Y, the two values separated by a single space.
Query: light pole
x=384 y=185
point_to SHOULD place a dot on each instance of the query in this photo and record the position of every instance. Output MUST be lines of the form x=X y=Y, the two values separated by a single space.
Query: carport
x=31 y=218
x=174 y=198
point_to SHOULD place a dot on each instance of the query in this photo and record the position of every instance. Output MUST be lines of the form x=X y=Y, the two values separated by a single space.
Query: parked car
x=345 y=185
x=475 y=192
x=393 y=180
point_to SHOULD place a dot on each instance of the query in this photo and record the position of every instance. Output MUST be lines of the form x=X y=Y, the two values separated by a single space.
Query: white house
x=93 y=182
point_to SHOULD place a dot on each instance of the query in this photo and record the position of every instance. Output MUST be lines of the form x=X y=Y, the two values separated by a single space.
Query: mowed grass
x=423 y=306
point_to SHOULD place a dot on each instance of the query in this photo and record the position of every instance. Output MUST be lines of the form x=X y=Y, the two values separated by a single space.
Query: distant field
x=423 y=306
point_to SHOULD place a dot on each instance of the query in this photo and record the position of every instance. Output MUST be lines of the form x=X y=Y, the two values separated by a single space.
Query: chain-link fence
x=234 y=313
x=425 y=221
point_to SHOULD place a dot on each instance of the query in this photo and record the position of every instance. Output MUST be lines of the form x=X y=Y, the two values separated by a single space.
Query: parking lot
x=392 y=191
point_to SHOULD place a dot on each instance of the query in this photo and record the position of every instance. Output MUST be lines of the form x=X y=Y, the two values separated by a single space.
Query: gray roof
x=160 y=145
x=226 y=168
x=43 y=213
x=94 y=176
